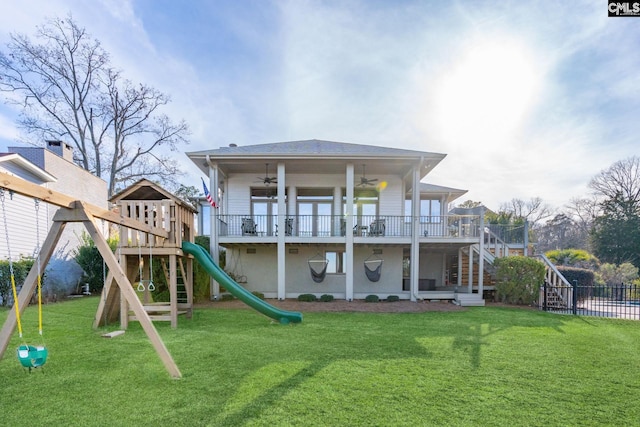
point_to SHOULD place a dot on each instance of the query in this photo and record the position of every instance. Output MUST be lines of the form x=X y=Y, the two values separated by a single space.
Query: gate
x=618 y=301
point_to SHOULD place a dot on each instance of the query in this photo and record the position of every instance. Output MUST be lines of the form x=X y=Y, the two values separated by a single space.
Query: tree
x=615 y=235
x=560 y=232
x=533 y=211
x=613 y=275
x=469 y=204
x=68 y=90
x=621 y=180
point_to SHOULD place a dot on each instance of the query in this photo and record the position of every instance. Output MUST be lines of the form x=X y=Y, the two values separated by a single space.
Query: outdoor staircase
x=468 y=300
x=559 y=292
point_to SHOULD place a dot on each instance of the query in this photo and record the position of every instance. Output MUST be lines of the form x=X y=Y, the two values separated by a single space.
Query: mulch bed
x=345 y=306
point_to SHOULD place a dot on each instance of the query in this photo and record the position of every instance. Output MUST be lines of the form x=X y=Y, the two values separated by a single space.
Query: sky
x=527 y=99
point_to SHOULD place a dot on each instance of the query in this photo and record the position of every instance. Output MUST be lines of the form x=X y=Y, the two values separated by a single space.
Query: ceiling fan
x=266 y=179
x=364 y=181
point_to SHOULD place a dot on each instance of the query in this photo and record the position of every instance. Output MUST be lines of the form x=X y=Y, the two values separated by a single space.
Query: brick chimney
x=62 y=149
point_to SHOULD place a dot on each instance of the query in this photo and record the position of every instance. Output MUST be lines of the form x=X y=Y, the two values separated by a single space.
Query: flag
x=208 y=195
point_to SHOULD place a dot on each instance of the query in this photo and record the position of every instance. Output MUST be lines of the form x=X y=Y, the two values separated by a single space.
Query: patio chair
x=249 y=227
x=377 y=227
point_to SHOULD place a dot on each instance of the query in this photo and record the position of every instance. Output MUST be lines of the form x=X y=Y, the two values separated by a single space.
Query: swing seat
x=32 y=357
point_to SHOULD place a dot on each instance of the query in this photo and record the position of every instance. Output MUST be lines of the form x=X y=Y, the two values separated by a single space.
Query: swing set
x=29 y=356
x=72 y=210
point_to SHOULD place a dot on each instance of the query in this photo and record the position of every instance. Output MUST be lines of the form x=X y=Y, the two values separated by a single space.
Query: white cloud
x=376 y=73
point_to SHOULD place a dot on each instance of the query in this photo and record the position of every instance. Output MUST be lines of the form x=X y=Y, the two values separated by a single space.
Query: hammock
x=318 y=268
x=373 y=268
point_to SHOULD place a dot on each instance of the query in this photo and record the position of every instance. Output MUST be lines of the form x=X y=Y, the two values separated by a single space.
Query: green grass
x=483 y=366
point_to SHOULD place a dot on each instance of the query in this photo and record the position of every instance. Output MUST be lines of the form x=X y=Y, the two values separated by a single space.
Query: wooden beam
x=106 y=299
x=132 y=299
x=25 y=188
x=30 y=284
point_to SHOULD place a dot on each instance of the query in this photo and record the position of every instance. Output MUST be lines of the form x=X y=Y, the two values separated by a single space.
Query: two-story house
x=343 y=219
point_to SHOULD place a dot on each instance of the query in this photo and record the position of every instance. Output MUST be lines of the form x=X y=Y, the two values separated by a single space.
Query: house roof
x=452 y=193
x=19 y=162
x=310 y=147
x=478 y=210
x=147 y=190
x=299 y=153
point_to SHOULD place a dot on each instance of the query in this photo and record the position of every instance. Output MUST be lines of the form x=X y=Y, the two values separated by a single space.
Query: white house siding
x=259 y=268
x=238 y=195
x=431 y=266
x=63 y=273
x=391 y=198
x=298 y=276
x=390 y=282
x=21 y=222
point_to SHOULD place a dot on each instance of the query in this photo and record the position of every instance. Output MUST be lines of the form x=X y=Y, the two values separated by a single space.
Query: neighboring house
x=52 y=167
x=350 y=207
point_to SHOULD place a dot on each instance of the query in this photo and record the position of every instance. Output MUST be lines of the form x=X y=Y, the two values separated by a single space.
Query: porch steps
x=469 y=300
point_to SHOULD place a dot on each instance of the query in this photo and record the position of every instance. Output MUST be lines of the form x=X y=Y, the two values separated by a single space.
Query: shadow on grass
x=368 y=339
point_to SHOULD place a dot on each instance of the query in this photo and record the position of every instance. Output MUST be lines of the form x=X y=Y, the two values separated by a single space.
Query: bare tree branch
x=68 y=90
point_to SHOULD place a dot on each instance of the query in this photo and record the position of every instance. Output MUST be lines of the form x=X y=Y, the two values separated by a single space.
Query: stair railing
x=556 y=283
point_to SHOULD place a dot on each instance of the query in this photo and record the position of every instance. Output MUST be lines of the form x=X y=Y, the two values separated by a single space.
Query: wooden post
x=173 y=290
x=108 y=294
x=132 y=299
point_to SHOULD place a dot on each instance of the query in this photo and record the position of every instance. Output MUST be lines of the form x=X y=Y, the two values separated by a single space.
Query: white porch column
x=415 y=234
x=282 y=213
x=481 y=256
x=214 y=233
x=349 y=235
x=292 y=198
x=337 y=211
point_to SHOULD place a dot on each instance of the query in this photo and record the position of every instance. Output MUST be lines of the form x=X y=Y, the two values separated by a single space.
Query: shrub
x=393 y=298
x=258 y=294
x=372 y=298
x=326 y=298
x=20 y=270
x=584 y=278
x=518 y=279
x=307 y=297
x=572 y=257
x=89 y=259
x=201 y=279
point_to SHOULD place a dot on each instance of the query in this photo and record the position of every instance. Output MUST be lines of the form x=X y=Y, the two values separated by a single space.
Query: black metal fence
x=617 y=301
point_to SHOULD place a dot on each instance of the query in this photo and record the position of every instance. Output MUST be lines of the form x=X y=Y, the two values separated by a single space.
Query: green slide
x=203 y=257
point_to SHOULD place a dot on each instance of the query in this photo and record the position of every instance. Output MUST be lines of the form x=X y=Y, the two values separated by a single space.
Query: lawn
x=483 y=366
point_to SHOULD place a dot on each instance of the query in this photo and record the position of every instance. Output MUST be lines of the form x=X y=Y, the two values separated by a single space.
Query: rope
x=151 y=286
x=13 y=279
x=140 y=284
x=37 y=257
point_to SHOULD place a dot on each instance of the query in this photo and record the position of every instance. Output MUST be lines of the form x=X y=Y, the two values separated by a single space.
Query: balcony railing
x=445 y=226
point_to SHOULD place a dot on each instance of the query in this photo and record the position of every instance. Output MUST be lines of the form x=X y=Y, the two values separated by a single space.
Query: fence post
x=544 y=295
x=575 y=297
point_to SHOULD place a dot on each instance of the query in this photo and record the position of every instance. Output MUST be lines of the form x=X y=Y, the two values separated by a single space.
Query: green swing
x=28 y=355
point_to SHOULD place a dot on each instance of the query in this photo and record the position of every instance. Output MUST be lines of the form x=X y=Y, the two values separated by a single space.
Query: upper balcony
x=318 y=227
